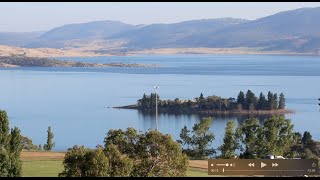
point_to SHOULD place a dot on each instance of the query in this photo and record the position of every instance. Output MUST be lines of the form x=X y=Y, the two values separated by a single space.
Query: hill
x=169 y=35
x=18 y=38
x=63 y=36
x=294 y=31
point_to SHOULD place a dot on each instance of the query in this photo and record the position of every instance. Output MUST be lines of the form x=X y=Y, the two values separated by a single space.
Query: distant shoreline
x=216 y=51
x=58 y=53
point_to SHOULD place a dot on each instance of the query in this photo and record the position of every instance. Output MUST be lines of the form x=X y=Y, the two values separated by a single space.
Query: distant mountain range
x=18 y=38
x=292 y=31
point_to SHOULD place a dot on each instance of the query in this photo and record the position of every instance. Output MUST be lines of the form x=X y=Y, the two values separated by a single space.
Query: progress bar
x=265 y=170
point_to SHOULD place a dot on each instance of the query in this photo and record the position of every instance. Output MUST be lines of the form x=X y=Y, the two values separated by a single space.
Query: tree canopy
x=10 y=148
x=274 y=136
x=50 y=144
x=247 y=101
x=230 y=143
x=200 y=139
x=128 y=154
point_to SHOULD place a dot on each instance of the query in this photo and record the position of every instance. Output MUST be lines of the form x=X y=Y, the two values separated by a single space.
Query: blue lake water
x=75 y=101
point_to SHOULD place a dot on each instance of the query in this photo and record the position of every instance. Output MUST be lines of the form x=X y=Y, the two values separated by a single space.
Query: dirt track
x=30 y=155
x=203 y=164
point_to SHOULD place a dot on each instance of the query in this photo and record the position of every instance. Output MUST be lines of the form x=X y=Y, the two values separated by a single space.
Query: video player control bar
x=289 y=167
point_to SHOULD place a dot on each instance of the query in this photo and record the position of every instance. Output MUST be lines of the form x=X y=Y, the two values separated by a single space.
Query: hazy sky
x=27 y=16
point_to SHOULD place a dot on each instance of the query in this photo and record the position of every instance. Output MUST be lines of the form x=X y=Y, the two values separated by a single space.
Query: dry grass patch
x=39 y=155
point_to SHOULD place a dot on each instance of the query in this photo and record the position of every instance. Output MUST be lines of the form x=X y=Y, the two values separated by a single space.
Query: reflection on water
x=147 y=116
x=172 y=123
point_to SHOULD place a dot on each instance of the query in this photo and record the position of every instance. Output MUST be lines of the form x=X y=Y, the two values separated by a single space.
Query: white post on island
x=156 y=88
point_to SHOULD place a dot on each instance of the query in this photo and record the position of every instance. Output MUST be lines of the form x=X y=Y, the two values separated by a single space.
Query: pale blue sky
x=25 y=17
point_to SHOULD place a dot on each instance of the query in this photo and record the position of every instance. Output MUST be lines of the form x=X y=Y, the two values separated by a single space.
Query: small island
x=213 y=105
x=16 y=61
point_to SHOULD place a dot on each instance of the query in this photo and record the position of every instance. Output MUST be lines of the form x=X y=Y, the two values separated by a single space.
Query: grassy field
x=41 y=164
x=49 y=164
x=41 y=168
x=197 y=172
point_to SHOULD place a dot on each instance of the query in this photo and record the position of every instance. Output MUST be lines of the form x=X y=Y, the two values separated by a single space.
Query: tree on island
x=250 y=100
x=209 y=104
x=270 y=101
x=241 y=98
x=262 y=102
x=275 y=101
x=282 y=102
x=201 y=98
x=50 y=144
x=149 y=101
x=201 y=101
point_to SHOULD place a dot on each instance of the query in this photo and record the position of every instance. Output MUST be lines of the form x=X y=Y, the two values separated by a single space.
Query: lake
x=75 y=101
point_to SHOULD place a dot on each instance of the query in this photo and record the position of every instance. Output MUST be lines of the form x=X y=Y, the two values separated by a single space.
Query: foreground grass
x=41 y=164
x=196 y=172
x=51 y=168
x=49 y=164
x=41 y=168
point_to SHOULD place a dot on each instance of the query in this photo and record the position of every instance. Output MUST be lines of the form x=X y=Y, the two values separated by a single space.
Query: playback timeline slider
x=262 y=167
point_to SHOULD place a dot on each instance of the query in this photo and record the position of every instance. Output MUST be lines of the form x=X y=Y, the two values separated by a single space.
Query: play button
x=263 y=164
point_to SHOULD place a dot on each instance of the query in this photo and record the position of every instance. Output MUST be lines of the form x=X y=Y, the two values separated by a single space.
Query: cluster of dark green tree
x=246 y=101
x=128 y=154
x=253 y=140
x=250 y=102
x=149 y=101
x=10 y=148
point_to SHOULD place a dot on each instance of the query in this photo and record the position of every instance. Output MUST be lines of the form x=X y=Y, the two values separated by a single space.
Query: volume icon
x=251 y=164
